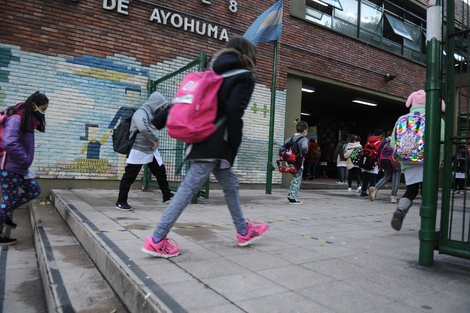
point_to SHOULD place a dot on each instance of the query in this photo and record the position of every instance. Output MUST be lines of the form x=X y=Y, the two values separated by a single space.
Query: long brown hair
x=246 y=49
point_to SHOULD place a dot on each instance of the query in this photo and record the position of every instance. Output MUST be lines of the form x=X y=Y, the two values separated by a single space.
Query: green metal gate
x=171 y=150
x=454 y=234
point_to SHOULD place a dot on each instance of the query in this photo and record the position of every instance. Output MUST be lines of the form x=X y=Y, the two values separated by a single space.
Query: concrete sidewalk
x=335 y=253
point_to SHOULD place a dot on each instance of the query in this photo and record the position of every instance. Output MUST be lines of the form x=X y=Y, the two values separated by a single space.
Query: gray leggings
x=197 y=175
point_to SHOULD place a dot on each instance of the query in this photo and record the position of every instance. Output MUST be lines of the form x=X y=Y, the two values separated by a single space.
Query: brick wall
x=85 y=58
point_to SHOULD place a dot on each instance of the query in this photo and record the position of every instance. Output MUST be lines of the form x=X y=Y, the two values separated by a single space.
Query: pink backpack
x=194 y=108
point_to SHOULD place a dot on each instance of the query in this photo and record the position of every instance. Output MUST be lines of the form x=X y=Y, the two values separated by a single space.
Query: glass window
x=371 y=16
x=333 y=3
x=319 y=13
x=398 y=27
x=349 y=12
x=416 y=35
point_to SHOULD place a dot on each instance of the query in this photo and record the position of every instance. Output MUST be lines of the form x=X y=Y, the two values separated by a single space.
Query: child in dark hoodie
x=217 y=153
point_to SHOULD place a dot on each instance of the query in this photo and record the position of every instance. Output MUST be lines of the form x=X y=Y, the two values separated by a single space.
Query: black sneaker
x=10 y=223
x=294 y=201
x=168 y=198
x=364 y=194
x=5 y=241
x=123 y=206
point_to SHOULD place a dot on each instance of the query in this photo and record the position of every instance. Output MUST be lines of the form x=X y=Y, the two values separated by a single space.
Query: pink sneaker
x=255 y=231
x=166 y=248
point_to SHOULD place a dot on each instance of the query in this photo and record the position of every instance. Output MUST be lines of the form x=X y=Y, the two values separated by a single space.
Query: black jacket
x=234 y=96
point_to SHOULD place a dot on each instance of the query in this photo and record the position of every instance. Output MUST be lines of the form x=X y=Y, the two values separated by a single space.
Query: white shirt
x=139 y=157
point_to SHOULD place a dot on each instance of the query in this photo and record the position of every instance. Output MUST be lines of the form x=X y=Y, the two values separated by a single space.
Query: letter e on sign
x=122 y=6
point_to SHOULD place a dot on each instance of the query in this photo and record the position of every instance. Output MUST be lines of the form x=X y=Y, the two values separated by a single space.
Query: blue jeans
x=343 y=173
x=395 y=175
x=197 y=175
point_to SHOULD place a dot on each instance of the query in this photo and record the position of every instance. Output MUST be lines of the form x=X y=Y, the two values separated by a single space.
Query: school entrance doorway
x=331 y=110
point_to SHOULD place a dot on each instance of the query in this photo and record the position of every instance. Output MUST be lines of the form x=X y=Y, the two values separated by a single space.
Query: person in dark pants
x=144 y=151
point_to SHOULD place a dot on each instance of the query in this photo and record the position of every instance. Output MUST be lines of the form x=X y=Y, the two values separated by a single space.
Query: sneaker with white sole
x=349 y=189
x=123 y=206
x=294 y=201
x=254 y=232
x=359 y=189
x=393 y=199
x=165 y=248
x=372 y=193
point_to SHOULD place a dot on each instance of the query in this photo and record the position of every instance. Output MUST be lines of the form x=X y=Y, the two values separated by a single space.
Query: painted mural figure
x=18 y=146
x=93 y=146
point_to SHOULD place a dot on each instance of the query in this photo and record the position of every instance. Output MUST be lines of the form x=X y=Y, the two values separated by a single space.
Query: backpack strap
x=234 y=72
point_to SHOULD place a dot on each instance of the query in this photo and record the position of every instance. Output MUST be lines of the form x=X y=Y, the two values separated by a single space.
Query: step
x=20 y=287
x=130 y=282
x=71 y=281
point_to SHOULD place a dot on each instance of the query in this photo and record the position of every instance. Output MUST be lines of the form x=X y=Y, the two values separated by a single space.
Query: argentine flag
x=267 y=27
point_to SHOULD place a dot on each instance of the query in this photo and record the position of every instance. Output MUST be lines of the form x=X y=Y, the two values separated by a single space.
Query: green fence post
x=427 y=235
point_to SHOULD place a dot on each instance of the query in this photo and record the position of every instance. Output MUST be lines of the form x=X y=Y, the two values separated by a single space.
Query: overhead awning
x=398 y=27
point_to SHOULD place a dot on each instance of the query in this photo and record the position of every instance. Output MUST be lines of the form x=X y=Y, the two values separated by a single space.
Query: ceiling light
x=304 y=113
x=365 y=102
x=308 y=89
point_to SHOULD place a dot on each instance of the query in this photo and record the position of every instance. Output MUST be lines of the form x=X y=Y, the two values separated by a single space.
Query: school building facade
x=94 y=57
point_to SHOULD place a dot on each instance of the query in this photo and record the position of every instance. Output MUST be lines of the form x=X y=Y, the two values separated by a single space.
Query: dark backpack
x=386 y=156
x=290 y=160
x=369 y=156
x=122 y=142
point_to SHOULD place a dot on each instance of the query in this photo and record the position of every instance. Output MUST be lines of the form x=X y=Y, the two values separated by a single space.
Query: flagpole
x=269 y=169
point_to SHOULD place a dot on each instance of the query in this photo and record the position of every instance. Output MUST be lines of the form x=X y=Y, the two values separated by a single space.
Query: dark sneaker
x=123 y=206
x=167 y=199
x=397 y=220
x=10 y=223
x=363 y=194
x=5 y=241
x=294 y=201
